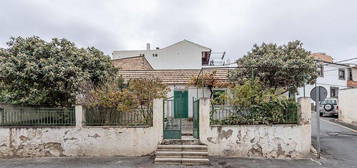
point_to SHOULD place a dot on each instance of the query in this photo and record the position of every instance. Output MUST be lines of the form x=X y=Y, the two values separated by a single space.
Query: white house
x=332 y=76
x=181 y=55
x=175 y=65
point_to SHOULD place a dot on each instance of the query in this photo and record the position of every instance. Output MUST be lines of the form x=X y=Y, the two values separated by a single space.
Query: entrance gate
x=171 y=125
x=172 y=122
x=196 y=118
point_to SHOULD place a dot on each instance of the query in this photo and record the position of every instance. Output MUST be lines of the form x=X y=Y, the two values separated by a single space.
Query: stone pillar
x=204 y=119
x=158 y=118
x=79 y=115
x=305 y=110
x=305 y=124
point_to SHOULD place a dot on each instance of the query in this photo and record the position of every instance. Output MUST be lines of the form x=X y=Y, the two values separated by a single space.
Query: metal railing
x=100 y=116
x=234 y=115
x=36 y=116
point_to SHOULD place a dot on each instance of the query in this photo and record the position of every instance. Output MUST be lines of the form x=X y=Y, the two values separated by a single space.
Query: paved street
x=147 y=162
x=338 y=144
x=339 y=147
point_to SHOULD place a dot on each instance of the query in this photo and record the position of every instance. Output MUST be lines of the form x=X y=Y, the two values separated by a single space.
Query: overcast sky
x=328 y=26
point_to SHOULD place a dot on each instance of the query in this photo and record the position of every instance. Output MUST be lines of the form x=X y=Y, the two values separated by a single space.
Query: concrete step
x=197 y=148
x=186 y=141
x=184 y=161
x=188 y=138
x=181 y=154
x=189 y=133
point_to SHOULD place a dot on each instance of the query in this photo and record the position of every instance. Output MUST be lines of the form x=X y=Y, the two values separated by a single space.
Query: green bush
x=40 y=73
x=255 y=105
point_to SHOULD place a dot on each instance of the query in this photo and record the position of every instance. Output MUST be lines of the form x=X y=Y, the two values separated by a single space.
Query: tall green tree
x=283 y=68
x=36 y=72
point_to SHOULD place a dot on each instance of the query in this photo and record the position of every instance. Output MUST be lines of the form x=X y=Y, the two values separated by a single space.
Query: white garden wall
x=82 y=141
x=268 y=141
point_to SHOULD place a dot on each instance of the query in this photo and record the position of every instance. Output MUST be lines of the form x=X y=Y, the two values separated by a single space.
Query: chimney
x=147 y=46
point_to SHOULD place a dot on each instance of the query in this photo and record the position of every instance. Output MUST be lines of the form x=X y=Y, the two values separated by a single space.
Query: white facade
x=330 y=80
x=181 y=55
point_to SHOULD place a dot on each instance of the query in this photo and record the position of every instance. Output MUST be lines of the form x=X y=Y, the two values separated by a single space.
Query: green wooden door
x=181 y=104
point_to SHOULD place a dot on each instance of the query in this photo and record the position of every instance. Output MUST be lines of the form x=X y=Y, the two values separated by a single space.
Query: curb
x=351 y=126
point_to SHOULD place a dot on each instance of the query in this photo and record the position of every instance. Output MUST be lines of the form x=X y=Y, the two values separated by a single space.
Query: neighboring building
x=175 y=66
x=181 y=55
x=332 y=76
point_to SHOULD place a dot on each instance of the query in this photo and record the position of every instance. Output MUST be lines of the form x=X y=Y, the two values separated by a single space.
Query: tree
x=283 y=68
x=36 y=72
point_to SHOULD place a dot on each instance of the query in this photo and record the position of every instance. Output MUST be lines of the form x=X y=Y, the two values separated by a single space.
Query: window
x=205 y=57
x=349 y=74
x=341 y=74
x=218 y=97
x=320 y=71
x=334 y=102
x=334 y=92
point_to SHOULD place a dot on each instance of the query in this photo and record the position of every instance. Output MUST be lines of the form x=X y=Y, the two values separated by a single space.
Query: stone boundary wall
x=348 y=106
x=258 y=141
x=82 y=141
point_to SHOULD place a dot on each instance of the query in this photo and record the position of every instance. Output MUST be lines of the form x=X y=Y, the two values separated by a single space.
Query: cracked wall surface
x=82 y=141
x=276 y=141
x=258 y=141
x=56 y=142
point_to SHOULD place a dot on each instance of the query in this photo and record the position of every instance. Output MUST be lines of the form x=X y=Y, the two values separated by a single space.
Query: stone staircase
x=185 y=151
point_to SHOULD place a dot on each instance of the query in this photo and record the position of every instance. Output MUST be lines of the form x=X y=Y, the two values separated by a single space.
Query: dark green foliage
x=273 y=112
x=286 y=67
x=254 y=104
x=36 y=72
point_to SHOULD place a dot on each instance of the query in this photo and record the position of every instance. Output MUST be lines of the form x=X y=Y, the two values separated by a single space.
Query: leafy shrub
x=117 y=102
x=253 y=104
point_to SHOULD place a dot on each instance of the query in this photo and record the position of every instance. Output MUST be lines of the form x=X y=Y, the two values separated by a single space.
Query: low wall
x=82 y=141
x=347 y=104
x=268 y=141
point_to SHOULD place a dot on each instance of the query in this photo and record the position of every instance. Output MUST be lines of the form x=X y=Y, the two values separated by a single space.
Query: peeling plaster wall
x=264 y=141
x=277 y=141
x=5 y=143
x=54 y=142
x=82 y=141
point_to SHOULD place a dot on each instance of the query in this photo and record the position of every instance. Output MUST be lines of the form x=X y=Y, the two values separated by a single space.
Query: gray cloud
x=224 y=25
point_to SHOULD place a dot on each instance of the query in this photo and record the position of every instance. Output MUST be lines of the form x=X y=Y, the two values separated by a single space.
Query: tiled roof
x=132 y=63
x=322 y=57
x=181 y=76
